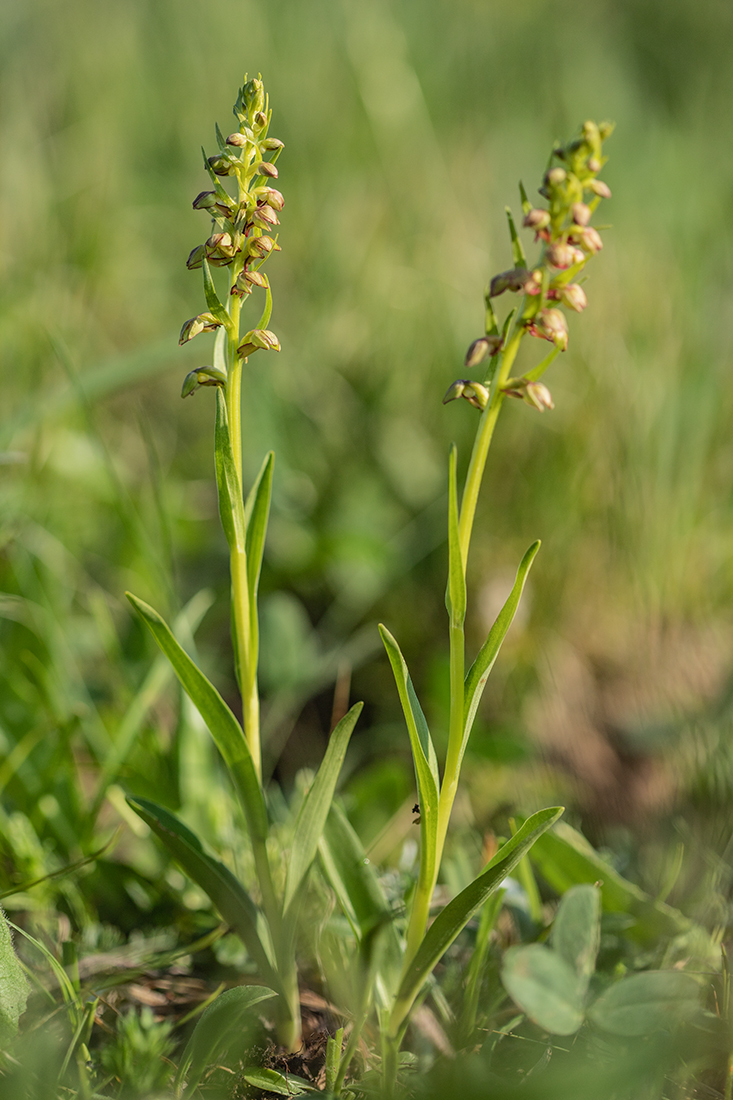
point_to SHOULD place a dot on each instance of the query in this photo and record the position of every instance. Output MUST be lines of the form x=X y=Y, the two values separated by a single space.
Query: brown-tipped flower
x=196 y=257
x=508 y=280
x=550 y=324
x=537 y=219
x=264 y=168
x=474 y=392
x=258 y=339
x=264 y=216
x=481 y=349
x=204 y=200
x=202 y=376
x=535 y=394
x=272 y=144
x=237 y=139
x=260 y=119
x=598 y=187
x=220 y=244
x=590 y=239
x=581 y=213
x=222 y=166
x=248 y=279
x=561 y=254
x=261 y=246
x=555 y=177
x=205 y=322
x=573 y=296
x=273 y=198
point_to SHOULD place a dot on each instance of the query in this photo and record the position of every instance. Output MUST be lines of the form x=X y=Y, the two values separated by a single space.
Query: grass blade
x=256 y=514
x=216 y=880
x=479 y=671
x=316 y=805
x=223 y=726
x=458 y=912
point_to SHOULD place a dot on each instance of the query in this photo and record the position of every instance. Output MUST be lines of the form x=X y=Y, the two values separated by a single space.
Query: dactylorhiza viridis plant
x=396 y=975
x=241 y=242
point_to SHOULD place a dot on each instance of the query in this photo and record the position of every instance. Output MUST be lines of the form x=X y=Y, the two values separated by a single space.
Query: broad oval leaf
x=269 y=1080
x=13 y=986
x=656 y=1000
x=576 y=932
x=221 y=1023
x=545 y=987
x=215 y=879
x=223 y=726
x=316 y=805
x=459 y=911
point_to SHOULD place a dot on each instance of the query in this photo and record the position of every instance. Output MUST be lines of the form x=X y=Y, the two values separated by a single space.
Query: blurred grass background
x=407 y=126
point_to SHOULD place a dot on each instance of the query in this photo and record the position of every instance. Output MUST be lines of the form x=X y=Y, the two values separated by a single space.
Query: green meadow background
x=407 y=125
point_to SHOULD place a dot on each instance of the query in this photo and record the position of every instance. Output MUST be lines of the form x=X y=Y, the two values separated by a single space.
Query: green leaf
x=576 y=932
x=13 y=986
x=520 y=260
x=454 y=917
x=214 y=878
x=212 y=298
x=256 y=513
x=269 y=1080
x=456 y=593
x=423 y=755
x=316 y=805
x=221 y=1024
x=564 y=858
x=545 y=987
x=220 y=141
x=656 y=1000
x=223 y=726
x=220 y=353
x=267 y=311
x=491 y=324
x=479 y=671
x=542 y=366
x=228 y=485
x=526 y=204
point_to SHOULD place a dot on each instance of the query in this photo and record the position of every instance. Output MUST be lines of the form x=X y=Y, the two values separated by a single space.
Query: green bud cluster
x=572 y=192
x=244 y=221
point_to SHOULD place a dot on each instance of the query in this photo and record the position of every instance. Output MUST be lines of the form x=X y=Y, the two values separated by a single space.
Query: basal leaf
x=545 y=986
x=223 y=726
x=454 y=917
x=479 y=671
x=657 y=1000
x=214 y=878
x=576 y=931
x=316 y=805
x=222 y=1023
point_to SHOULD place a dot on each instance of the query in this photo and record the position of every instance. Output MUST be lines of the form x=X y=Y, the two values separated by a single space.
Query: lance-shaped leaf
x=423 y=754
x=212 y=298
x=228 y=485
x=267 y=311
x=223 y=726
x=214 y=878
x=221 y=1024
x=520 y=260
x=256 y=514
x=446 y=926
x=479 y=671
x=13 y=986
x=316 y=805
x=455 y=597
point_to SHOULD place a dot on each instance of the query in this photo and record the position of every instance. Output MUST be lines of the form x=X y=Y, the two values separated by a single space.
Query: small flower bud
x=264 y=216
x=271 y=144
x=261 y=246
x=590 y=133
x=474 y=392
x=560 y=254
x=455 y=390
x=482 y=349
x=273 y=198
x=590 y=239
x=204 y=200
x=260 y=119
x=573 y=296
x=555 y=177
x=205 y=322
x=221 y=166
x=550 y=324
x=202 y=376
x=598 y=187
x=196 y=257
x=581 y=213
x=220 y=243
x=508 y=280
x=253 y=96
x=258 y=338
x=237 y=139
x=264 y=168
x=535 y=394
x=533 y=286
x=594 y=165
x=605 y=129
x=579 y=256
x=537 y=219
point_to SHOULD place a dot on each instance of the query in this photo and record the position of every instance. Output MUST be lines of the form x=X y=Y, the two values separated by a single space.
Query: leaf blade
x=212 y=298
x=228 y=485
x=456 y=593
x=218 y=1023
x=545 y=986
